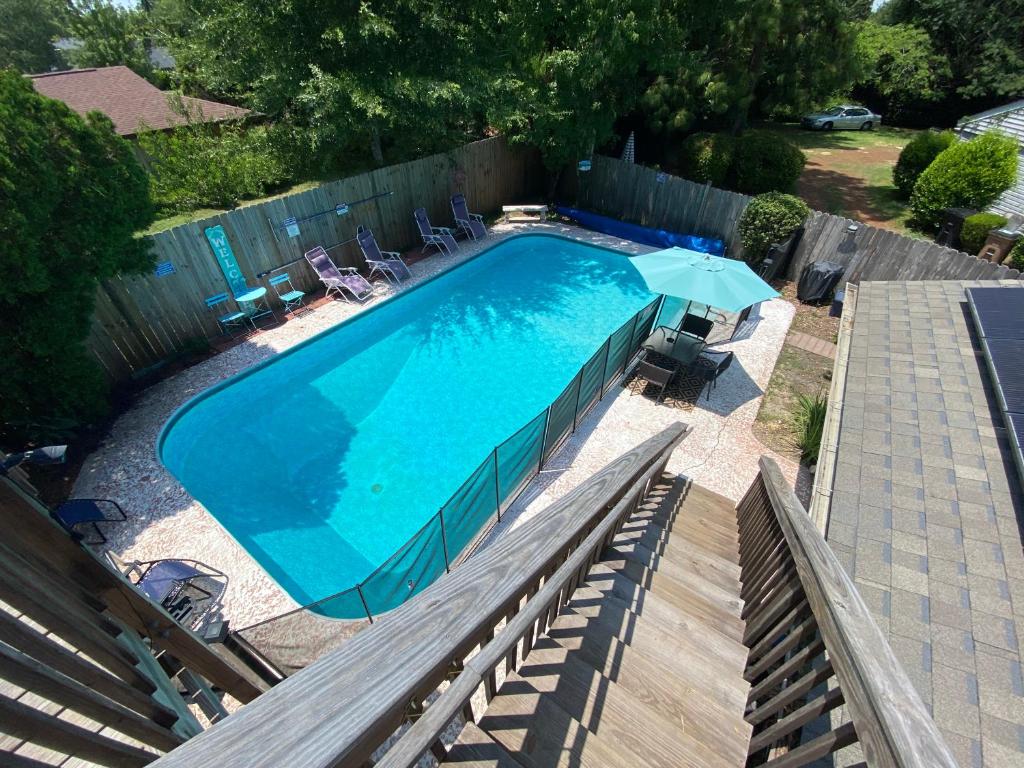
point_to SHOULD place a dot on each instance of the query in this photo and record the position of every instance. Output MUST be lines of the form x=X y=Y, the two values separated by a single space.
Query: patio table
x=253 y=303
x=681 y=347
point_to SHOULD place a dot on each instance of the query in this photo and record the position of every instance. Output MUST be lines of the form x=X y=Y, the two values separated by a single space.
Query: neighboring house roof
x=128 y=99
x=1008 y=119
x=926 y=509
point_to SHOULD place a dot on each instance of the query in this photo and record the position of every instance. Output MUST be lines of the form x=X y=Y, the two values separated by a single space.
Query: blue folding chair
x=228 y=320
x=88 y=512
x=291 y=297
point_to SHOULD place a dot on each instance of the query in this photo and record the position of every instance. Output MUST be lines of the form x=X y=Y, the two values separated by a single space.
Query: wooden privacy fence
x=144 y=319
x=632 y=192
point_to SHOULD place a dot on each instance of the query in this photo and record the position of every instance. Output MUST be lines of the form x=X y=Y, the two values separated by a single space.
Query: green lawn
x=849 y=173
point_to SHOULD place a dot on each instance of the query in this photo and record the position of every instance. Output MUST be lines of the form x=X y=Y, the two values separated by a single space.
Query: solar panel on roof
x=998 y=314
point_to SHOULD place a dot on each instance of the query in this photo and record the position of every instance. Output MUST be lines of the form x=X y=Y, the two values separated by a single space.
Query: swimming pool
x=324 y=460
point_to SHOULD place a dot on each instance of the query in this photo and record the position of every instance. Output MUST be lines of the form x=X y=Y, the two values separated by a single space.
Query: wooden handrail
x=340 y=709
x=890 y=720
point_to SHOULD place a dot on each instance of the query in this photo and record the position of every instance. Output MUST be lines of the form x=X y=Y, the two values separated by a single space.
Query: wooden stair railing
x=345 y=707
x=815 y=650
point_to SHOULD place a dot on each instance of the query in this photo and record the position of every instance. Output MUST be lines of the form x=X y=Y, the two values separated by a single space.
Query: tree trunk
x=375 y=148
x=755 y=69
x=553 y=178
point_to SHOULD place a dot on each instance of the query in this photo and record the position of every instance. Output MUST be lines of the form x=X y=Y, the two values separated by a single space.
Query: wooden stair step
x=687 y=575
x=679 y=698
x=598 y=711
x=718 y=617
x=721 y=518
x=715 y=569
x=476 y=749
x=697 y=531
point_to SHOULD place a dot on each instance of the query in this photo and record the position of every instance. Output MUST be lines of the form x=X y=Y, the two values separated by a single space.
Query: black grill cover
x=818 y=280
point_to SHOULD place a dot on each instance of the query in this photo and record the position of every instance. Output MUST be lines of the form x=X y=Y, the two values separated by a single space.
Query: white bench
x=540 y=210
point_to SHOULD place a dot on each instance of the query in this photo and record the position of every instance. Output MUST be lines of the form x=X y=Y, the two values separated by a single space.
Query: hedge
x=917 y=156
x=769 y=218
x=976 y=228
x=766 y=162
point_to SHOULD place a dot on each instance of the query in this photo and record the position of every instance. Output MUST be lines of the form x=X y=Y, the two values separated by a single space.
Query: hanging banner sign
x=226 y=258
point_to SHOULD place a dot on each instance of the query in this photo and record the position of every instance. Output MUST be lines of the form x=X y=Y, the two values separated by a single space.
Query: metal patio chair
x=647 y=372
x=441 y=238
x=470 y=223
x=338 y=281
x=189 y=590
x=75 y=513
x=388 y=264
x=229 y=319
x=286 y=292
x=695 y=325
x=711 y=365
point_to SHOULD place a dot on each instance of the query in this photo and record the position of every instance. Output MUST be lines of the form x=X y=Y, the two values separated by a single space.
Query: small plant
x=769 y=218
x=970 y=174
x=916 y=156
x=810 y=422
x=975 y=230
x=766 y=162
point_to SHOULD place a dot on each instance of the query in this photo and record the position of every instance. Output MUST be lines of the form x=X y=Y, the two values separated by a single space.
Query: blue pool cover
x=645 y=235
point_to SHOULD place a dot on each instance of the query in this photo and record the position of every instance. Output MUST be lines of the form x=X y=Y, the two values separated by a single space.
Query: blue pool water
x=325 y=460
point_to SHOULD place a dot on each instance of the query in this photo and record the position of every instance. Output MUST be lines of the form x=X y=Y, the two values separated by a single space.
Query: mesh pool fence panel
x=297 y=638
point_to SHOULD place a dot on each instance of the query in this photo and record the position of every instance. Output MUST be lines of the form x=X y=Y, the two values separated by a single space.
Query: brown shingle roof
x=126 y=98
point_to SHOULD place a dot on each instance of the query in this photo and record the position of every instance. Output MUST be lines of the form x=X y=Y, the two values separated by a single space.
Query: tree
x=109 y=35
x=72 y=197
x=28 y=29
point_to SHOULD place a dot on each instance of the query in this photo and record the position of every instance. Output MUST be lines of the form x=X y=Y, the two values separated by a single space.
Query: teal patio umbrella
x=713 y=280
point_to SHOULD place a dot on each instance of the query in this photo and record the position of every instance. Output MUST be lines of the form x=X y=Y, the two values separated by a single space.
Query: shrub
x=810 y=421
x=917 y=156
x=769 y=218
x=970 y=174
x=708 y=157
x=1016 y=258
x=766 y=162
x=73 y=195
x=976 y=228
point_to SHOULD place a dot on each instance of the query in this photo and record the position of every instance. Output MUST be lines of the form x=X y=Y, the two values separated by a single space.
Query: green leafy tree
x=72 y=196
x=109 y=35
x=970 y=174
x=28 y=29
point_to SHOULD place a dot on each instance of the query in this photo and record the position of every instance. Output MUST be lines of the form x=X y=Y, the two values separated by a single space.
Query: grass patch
x=797 y=373
x=883 y=136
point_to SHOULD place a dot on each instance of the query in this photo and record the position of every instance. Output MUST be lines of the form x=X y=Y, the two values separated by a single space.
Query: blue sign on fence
x=291 y=226
x=226 y=258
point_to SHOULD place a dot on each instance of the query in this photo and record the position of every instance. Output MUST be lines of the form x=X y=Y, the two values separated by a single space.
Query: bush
x=810 y=421
x=917 y=156
x=970 y=174
x=73 y=196
x=975 y=230
x=1016 y=258
x=769 y=218
x=708 y=157
x=766 y=162
x=202 y=165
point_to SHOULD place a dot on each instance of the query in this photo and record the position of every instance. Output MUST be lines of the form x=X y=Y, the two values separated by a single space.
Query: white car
x=842 y=116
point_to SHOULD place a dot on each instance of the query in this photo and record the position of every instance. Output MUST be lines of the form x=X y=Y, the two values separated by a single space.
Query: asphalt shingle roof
x=126 y=98
x=926 y=512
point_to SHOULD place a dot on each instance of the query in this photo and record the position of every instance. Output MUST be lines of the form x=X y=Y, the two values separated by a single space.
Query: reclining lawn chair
x=441 y=238
x=338 y=280
x=470 y=223
x=189 y=590
x=388 y=263
x=74 y=513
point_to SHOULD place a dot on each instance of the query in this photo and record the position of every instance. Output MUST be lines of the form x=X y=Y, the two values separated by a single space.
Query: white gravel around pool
x=164 y=521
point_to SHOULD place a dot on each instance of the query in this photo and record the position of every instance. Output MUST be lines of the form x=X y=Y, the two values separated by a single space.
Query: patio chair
x=441 y=238
x=711 y=365
x=286 y=292
x=189 y=590
x=229 y=319
x=388 y=263
x=75 y=513
x=470 y=223
x=696 y=326
x=650 y=373
x=338 y=281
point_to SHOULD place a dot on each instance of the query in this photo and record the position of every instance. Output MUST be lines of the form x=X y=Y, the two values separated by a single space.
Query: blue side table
x=254 y=304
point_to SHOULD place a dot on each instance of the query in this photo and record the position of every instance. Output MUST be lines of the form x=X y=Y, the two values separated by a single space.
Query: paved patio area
x=164 y=521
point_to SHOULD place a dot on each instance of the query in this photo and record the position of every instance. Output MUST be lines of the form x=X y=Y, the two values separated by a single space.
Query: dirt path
x=853 y=182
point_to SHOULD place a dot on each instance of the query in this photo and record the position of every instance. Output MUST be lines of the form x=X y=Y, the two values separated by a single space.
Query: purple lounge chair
x=441 y=238
x=470 y=223
x=387 y=263
x=191 y=591
x=338 y=280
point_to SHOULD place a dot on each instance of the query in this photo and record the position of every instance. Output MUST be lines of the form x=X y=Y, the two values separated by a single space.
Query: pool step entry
x=644 y=665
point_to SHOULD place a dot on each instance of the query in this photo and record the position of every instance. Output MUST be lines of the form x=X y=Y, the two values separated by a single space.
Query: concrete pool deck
x=164 y=521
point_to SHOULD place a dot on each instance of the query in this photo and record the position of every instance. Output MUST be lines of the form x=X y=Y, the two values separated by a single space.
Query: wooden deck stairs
x=645 y=663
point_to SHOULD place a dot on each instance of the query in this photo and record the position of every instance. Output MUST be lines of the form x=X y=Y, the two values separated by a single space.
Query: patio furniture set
x=673 y=352
x=347 y=282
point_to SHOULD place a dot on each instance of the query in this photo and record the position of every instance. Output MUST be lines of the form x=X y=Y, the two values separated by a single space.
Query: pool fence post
x=604 y=368
x=497 y=485
x=366 y=607
x=544 y=438
x=444 y=541
x=579 y=388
